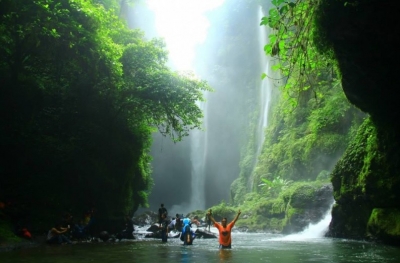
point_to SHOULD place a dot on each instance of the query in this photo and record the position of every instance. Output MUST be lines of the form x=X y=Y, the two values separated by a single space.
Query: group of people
x=187 y=235
x=67 y=229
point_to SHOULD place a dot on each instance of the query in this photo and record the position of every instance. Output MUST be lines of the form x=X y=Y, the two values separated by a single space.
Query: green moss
x=384 y=223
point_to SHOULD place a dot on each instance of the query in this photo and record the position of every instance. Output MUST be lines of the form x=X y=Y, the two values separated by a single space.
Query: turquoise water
x=246 y=248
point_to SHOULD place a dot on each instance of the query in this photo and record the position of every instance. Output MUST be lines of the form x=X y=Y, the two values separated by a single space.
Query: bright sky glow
x=183 y=26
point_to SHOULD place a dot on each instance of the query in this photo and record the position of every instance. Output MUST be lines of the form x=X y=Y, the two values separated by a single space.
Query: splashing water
x=313 y=231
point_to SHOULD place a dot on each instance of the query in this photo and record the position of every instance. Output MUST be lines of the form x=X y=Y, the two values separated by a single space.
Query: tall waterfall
x=266 y=84
x=265 y=91
x=231 y=61
x=197 y=157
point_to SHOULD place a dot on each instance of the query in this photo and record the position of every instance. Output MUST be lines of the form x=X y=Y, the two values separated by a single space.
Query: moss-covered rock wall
x=292 y=211
x=366 y=181
x=366 y=185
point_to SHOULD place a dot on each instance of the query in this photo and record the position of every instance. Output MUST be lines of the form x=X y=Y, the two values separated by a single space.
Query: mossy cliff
x=291 y=211
x=366 y=182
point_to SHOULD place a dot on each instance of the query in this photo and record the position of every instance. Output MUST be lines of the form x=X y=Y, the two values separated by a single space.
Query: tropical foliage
x=274 y=187
x=294 y=42
x=80 y=96
x=311 y=121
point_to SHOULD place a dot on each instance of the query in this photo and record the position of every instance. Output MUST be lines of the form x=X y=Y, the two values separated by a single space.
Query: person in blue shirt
x=187 y=235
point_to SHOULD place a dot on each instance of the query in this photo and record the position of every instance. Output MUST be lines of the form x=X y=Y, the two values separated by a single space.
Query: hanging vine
x=292 y=43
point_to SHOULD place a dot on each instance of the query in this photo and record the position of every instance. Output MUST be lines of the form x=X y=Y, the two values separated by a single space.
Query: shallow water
x=246 y=247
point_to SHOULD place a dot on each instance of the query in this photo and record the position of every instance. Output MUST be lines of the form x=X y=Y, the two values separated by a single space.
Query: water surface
x=246 y=248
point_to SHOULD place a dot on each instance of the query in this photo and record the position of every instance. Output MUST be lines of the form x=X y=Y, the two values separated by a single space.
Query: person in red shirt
x=225 y=230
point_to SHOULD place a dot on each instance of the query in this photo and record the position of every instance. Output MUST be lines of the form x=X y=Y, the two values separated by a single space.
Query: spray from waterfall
x=313 y=231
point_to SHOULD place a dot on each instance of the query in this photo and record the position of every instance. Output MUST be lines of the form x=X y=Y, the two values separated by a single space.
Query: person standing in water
x=162 y=210
x=208 y=220
x=225 y=240
x=164 y=226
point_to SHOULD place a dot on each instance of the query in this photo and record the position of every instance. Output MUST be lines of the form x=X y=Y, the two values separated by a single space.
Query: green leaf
x=263 y=76
x=264 y=21
x=283 y=9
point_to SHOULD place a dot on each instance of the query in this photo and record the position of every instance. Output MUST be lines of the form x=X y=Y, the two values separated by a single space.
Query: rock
x=154 y=228
x=201 y=233
x=104 y=236
x=157 y=234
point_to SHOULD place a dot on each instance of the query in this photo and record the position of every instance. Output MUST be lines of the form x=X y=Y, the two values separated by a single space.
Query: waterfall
x=265 y=92
x=197 y=156
x=313 y=231
x=266 y=84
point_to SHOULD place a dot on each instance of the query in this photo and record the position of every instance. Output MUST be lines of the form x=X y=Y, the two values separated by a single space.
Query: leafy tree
x=80 y=96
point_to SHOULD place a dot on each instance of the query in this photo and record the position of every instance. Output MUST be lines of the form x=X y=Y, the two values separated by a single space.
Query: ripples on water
x=246 y=247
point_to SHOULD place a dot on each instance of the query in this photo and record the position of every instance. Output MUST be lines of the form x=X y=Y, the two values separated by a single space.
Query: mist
x=197 y=173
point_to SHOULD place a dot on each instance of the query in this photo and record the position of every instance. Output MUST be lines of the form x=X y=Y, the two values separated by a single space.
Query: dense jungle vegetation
x=81 y=95
x=310 y=125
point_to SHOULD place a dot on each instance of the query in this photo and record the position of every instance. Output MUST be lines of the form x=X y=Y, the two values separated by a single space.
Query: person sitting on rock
x=24 y=233
x=176 y=223
x=79 y=231
x=56 y=235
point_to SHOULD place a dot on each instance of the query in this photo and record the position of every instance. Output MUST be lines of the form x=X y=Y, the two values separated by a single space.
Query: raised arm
x=211 y=217
x=237 y=216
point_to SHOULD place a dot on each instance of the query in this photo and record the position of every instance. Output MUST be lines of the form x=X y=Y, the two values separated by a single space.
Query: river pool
x=246 y=247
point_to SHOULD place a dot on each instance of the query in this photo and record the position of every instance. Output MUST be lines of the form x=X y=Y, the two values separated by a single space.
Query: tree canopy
x=81 y=94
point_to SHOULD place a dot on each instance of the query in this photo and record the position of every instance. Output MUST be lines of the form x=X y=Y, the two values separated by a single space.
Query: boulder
x=202 y=233
x=104 y=235
x=153 y=228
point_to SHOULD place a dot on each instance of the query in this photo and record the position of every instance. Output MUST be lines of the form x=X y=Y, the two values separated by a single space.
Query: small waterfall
x=313 y=231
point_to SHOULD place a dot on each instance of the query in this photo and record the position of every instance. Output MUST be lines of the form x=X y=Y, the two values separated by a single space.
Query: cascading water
x=197 y=157
x=265 y=90
x=313 y=231
x=232 y=66
x=266 y=84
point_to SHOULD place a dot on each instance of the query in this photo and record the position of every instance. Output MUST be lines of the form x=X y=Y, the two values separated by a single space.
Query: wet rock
x=201 y=233
x=104 y=235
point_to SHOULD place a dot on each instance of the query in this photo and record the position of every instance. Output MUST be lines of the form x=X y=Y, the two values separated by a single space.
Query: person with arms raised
x=225 y=240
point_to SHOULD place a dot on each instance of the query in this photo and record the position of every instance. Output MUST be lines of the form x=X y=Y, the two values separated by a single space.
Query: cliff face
x=363 y=36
